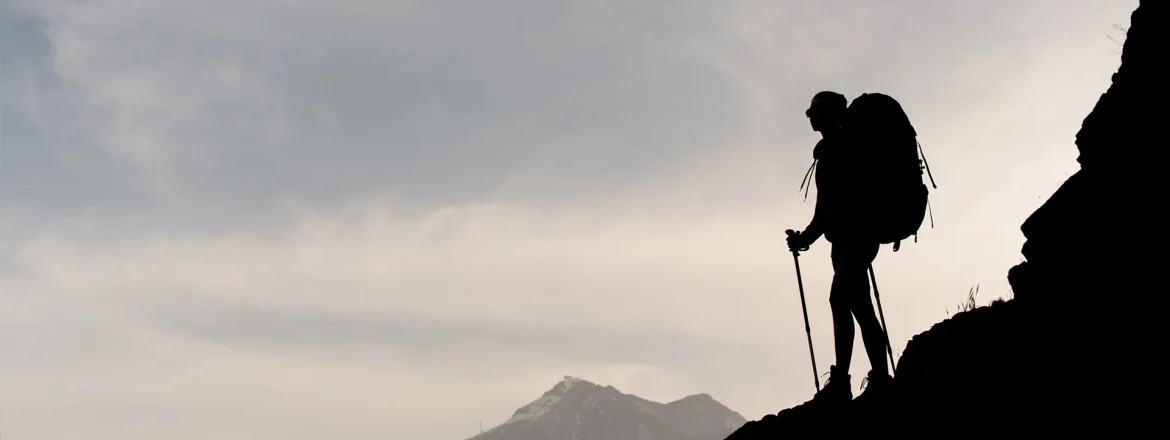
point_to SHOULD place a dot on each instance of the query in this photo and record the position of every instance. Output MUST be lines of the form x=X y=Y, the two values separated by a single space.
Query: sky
x=364 y=219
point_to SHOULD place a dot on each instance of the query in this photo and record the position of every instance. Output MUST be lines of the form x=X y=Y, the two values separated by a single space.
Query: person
x=834 y=218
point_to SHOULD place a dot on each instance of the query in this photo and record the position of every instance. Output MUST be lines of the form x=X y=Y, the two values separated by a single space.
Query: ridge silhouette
x=1052 y=360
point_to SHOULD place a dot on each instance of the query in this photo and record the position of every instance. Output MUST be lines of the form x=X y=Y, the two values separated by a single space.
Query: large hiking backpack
x=888 y=189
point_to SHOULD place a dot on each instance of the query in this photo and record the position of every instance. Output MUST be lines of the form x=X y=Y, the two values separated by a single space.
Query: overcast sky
x=365 y=219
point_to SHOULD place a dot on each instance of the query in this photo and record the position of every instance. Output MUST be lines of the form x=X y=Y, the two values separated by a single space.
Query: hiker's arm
x=816 y=227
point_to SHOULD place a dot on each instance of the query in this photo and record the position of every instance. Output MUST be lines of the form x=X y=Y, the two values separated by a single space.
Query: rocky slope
x=1056 y=360
x=576 y=409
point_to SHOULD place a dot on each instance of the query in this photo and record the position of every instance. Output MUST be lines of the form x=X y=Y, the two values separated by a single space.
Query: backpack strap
x=807 y=179
x=926 y=164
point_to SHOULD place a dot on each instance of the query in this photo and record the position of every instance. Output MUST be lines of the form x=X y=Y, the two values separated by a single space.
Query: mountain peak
x=696 y=398
x=703 y=401
x=568 y=383
x=539 y=407
x=577 y=409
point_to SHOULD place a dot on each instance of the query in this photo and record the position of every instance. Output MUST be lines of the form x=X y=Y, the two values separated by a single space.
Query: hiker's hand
x=797 y=242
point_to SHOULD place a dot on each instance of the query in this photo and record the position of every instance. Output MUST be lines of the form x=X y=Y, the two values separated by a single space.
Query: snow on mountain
x=576 y=409
x=534 y=410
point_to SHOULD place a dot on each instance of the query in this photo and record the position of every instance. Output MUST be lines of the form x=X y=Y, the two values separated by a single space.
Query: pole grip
x=791 y=233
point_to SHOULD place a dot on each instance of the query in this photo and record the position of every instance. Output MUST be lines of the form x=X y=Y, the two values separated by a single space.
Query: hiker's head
x=827 y=111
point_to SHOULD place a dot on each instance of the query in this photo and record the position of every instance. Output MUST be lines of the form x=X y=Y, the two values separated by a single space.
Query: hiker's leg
x=842 y=332
x=872 y=334
x=845 y=279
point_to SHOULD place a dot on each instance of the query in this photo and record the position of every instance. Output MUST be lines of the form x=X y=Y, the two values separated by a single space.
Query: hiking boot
x=875 y=384
x=836 y=389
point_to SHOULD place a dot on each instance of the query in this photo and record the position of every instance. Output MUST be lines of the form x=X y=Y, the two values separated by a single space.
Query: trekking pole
x=804 y=308
x=882 y=315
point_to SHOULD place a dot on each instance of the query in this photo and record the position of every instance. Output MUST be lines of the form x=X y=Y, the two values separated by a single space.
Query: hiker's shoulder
x=821 y=148
x=827 y=147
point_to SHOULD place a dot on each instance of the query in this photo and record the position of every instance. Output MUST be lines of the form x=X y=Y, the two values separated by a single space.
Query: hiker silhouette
x=864 y=164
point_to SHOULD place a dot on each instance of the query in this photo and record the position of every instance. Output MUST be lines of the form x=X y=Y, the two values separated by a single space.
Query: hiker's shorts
x=848 y=257
x=850 y=263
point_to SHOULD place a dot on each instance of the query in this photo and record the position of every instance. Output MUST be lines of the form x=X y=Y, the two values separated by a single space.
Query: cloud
x=424 y=101
x=396 y=219
x=46 y=164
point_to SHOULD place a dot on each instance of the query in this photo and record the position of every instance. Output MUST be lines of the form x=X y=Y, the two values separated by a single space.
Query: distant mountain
x=576 y=409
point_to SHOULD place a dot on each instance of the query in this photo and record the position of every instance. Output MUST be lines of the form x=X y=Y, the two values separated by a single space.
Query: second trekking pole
x=804 y=308
x=876 y=296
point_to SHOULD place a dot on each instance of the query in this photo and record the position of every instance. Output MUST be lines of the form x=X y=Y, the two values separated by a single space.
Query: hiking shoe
x=836 y=389
x=875 y=384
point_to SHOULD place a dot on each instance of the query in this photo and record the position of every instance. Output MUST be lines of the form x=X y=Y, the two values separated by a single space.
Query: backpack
x=889 y=198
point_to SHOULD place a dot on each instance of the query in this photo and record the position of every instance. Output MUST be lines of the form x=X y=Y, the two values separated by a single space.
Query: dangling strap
x=927 y=164
x=898 y=244
x=931 y=211
x=807 y=179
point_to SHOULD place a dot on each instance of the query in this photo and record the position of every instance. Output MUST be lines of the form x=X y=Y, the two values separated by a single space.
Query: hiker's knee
x=846 y=290
x=839 y=302
x=850 y=287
